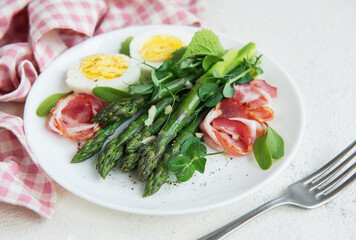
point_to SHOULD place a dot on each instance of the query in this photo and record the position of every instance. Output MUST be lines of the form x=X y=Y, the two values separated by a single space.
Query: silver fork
x=310 y=192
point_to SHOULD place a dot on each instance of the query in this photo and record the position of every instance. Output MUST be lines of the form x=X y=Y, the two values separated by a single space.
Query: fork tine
x=339 y=189
x=333 y=183
x=333 y=172
x=329 y=165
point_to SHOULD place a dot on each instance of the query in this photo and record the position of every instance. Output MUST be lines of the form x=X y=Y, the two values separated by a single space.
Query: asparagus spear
x=160 y=175
x=138 y=140
x=114 y=149
x=154 y=152
x=127 y=107
x=129 y=162
x=94 y=144
x=122 y=108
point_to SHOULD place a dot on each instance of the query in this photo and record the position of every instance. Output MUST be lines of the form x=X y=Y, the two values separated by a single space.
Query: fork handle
x=232 y=226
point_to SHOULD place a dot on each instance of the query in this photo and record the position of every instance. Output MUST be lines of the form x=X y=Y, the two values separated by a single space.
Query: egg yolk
x=160 y=48
x=104 y=66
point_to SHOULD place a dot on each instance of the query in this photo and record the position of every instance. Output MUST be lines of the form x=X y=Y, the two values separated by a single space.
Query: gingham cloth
x=32 y=34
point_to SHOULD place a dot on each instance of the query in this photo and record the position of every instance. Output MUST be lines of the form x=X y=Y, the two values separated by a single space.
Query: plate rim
x=164 y=212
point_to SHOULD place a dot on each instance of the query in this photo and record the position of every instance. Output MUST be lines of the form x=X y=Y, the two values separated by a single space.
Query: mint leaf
x=125 y=46
x=50 y=102
x=110 y=94
x=262 y=153
x=204 y=42
x=207 y=90
x=275 y=144
x=228 y=90
x=210 y=60
x=199 y=164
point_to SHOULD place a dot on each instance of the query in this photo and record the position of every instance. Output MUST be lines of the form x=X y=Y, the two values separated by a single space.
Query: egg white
x=139 y=40
x=81 y=84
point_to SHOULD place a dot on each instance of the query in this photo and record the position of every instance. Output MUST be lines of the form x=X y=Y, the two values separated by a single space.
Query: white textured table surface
x=315 y=41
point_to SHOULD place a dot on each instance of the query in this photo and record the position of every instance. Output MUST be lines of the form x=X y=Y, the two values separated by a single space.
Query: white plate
x=222 y=182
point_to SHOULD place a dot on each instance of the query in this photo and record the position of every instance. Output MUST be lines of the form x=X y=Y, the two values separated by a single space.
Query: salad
x=182 y=93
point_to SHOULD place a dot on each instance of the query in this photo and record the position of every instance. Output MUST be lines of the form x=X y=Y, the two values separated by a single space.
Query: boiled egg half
x=107 y=70
x=156 y=46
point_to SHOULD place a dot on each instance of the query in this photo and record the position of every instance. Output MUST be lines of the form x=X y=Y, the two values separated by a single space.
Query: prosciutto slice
x=72 y=116
x=256 y=96
x=235 y=123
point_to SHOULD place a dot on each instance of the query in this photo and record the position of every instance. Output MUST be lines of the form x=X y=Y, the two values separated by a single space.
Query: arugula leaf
x=269 y=145
x=125 y=46
x=110 y=94
x=204 y=42
x=50 y=102
x=207 y=90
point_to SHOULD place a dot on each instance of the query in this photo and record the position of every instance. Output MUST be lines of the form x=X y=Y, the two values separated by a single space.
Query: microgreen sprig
x=191 y=159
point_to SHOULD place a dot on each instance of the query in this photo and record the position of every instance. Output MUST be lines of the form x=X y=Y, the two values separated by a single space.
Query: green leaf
x=228 y=90
x=176 y=164
x=259 y=70
x=186 y=173
x=204 y=42
x=196 y=149
x=199 y=164
x=245 y=79
x=209 y=60
x=216 y=74
x=142 y=88
x=110 y=94
x=154 y=77
x=125 y=46
x=262 y=152
x=215 y=99
x=207 y=90
x=50 y=102
x=275 y=143
x=187 y=143
x=178 y=54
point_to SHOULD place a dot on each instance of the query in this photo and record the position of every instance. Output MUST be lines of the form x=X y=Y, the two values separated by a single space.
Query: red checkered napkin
x=32 y=34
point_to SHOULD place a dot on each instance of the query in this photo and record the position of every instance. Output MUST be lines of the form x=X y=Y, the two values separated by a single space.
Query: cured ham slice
x=256 y=96
x=235 y=123
x=72 y=116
